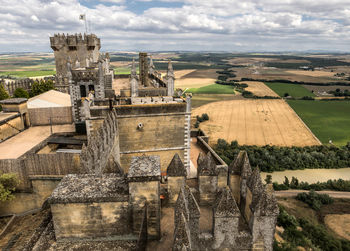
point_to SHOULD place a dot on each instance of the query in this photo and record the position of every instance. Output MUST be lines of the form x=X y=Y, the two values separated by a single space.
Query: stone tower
x=134 y=82
x=78 y=50
x=143 y=65
x=170 y=79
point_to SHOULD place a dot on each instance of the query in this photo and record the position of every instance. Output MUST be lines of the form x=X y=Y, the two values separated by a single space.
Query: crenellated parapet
x=59 y=41
x=102 y=149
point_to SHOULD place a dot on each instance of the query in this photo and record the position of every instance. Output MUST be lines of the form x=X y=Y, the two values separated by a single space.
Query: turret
x=133 y=81
x=170 y=79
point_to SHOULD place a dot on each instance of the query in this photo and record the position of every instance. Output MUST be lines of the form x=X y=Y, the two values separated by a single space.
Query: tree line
x=276 y=158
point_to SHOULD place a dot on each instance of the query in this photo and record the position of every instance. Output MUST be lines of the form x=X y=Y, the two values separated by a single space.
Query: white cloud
x=198 y=24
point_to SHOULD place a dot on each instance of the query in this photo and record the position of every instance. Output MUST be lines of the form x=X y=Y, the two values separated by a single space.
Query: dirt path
x=293 y=193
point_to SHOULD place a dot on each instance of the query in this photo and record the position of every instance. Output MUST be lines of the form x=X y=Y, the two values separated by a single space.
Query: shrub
x=247 y=94
x=196 y=125
x=8 y=184
x=314 y=200
x=336 y=185
x=307 y=98
x=199 y=119
x=21 y=93
x=205 y=116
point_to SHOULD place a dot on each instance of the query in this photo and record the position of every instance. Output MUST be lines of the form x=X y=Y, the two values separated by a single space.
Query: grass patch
x=213 y=89
x=28 y=74
x=296 y=91
x=326 y=119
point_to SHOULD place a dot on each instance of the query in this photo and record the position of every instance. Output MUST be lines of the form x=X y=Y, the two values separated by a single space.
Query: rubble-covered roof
x=176 y=168
x=144 y=167
x=80 y=188
x=13 y=101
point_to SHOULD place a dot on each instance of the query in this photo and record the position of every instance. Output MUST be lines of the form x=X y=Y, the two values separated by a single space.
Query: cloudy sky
x=196 y=25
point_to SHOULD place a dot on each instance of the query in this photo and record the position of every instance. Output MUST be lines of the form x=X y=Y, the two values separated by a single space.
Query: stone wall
x=42 y=187
x=152 y=129
x=11 y=127
x=54 y=115
x=140 y=192
x=41 y=165
x=152 y=92
x=73 y=220
x=11 y=86
x=103 y=147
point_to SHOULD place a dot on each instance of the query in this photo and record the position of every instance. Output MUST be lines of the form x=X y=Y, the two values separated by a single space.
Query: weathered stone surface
x=176 y=167
x=206 y=165
x=226 y=205
x=144 y=168
x=102 y=144
x=81 y=188
x=239 y=164
x=182 y=237
x=13 y=101
x=174 y=185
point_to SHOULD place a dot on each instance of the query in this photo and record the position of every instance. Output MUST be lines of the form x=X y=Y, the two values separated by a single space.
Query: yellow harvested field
x=339 y=223
x=255 y=122
x=193 y=82
x=259 y=89
x=181 y=73
x=313 y=73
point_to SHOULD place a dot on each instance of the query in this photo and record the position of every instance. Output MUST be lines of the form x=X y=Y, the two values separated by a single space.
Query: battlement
x=59 y=41
x=85 y=74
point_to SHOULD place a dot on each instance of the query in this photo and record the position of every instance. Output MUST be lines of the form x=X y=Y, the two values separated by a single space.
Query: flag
x=82 y=17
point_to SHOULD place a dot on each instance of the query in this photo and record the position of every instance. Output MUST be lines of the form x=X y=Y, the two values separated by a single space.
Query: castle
x=129 y=181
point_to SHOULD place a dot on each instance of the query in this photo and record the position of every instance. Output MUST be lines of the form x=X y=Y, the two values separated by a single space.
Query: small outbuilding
x=51 y=107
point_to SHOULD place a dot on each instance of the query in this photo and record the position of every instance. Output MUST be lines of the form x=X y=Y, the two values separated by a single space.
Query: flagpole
x=85 y=24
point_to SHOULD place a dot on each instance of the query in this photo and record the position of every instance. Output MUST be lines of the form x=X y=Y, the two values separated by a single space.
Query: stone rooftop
x=81 y=188
x=13 y=101
x=144 y=166
x=176 y=167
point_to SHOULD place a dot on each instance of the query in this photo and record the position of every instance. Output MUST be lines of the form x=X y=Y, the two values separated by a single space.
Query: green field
x=28 y=74
x=326 y=119
x=294 y=90
x=213 y=89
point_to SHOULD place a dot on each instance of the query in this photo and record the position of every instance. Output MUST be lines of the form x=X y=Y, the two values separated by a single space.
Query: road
x=333 y=194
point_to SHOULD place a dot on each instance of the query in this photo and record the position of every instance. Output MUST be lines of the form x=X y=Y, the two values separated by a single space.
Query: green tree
x=286 y=181
x=8 y=184
x=41 y=86
x=3 y=93
x=21 y=93
x=268 y=179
